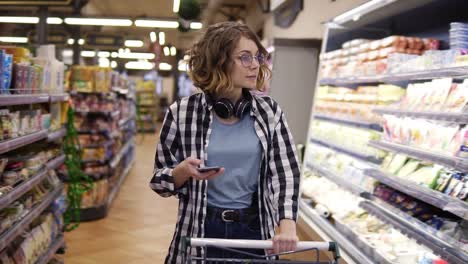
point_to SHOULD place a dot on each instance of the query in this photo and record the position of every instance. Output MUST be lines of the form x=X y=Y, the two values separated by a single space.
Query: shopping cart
x=233 y=245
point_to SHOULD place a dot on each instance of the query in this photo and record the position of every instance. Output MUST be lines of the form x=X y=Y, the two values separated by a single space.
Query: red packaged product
x=431 y=44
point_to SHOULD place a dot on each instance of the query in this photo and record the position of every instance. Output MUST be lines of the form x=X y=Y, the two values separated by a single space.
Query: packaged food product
x=458 y=98
x=397 y=162
x=410 y=167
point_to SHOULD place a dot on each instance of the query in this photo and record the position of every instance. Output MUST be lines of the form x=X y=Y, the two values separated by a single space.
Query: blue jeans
x=215 y=227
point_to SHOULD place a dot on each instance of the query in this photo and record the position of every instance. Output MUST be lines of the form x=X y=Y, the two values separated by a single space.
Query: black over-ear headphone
x=224 y=108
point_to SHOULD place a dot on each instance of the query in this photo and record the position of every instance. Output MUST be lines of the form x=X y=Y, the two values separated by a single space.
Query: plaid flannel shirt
x=186 y=132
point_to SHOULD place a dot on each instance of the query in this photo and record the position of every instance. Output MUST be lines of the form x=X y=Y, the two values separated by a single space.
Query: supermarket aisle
x=139 y=226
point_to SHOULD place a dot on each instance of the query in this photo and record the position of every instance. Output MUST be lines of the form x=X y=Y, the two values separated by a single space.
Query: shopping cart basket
x=233 y=245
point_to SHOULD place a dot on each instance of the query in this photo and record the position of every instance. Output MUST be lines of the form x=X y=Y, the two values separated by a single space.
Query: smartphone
x=207 y=169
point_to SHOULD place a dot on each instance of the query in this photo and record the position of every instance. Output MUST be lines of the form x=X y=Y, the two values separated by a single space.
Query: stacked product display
x=148 y=106
x=32 y=199
x=105 y=120
x=388 y=140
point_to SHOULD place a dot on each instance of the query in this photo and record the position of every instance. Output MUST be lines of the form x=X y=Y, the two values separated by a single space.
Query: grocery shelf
x=98 y=212
x=105 y=132
x=449 y=72
x=350 y=80
x=445 y=160
x=57 y=134
x=22 y=188
x=123 y=122
x=19 y=227
x=58 y=243
x=351 y=253
x=346 y=151
x=59 y=97
x=340 y=181
x=349 y=122
x=444 y=246
x=115 y=161
x=28 y=184
x=22 y=99
x=12 y=144
x=435 y=198
x=112 y=114
x=56 y=162
x=461 y=118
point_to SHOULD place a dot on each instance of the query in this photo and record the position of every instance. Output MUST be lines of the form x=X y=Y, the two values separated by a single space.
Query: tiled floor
x=140 y=223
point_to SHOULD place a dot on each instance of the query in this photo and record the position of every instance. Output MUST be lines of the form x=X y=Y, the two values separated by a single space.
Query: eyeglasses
x=247 y=60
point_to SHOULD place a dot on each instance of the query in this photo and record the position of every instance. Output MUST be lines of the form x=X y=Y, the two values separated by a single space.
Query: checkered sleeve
x=167 y=150
x=284 y=171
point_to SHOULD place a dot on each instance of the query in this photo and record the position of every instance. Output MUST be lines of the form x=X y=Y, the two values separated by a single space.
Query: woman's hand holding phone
x=189 y=168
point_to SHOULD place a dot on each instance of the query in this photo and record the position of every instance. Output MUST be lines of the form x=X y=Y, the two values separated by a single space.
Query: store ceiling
x=212 y=11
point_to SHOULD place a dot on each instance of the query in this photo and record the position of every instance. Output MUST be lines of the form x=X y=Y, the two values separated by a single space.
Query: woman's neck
x=234 y=95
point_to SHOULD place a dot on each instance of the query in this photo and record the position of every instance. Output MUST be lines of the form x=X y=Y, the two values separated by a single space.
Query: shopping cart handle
x=257 y=244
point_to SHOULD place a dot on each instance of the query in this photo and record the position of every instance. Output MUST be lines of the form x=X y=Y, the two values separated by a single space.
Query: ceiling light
x=104 y=54
x=166 y=51
x=139 y=65
x=70 y=41
x=88 y=53
x=67 y=53
x=114 y=54
x=162 y=38
x=54 y=20
x=176 y=6
x=196 y=25
x=98 y=22
x=356 y=13
x=134 y=43
x=156 y=23
x=137 y=55
x=163 y=66
x=14 y=39
x=121 y=50
x=104 y=62
x=173 y=51
x=81 y=41
x=153 y=36
x=186 y=57
x=16 y=19
x=113 y=64
x=127 y=50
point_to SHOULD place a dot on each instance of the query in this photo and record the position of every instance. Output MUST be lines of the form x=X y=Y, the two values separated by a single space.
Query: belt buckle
x=223 y=215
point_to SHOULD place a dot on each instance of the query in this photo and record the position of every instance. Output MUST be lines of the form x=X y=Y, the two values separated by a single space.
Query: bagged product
x=458 y=98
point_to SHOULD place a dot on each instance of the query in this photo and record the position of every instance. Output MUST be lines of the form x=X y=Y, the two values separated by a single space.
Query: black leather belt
x=232 y=215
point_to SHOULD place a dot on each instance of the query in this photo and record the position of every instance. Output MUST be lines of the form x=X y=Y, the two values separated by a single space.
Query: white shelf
x=349 y=251
x=349 y=122
x=15 y=143
x=19 y=227
x=349 y=152
x=445 y=160
x=461 y=118
x=449 y=72
x=435 y=198
x=340 y=181
x=443 y=246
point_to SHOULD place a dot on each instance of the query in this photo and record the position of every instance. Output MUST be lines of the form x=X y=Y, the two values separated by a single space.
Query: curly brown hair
x=211 y=55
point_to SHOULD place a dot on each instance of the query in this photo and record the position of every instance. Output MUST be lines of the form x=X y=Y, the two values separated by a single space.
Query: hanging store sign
x=287 y=13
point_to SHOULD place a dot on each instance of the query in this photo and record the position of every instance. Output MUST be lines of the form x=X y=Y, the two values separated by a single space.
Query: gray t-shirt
x=237 y=148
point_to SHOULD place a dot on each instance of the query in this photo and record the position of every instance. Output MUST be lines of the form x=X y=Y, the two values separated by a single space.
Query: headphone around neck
x=224 y=108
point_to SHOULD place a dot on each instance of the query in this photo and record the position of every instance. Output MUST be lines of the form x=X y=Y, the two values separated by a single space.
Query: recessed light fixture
x=98 y=21
x=162 y=38
x=156 y=23
x=134 y=43
x=14 y=39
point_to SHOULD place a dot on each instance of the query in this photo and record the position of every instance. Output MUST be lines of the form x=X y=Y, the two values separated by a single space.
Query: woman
x=228 y=126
